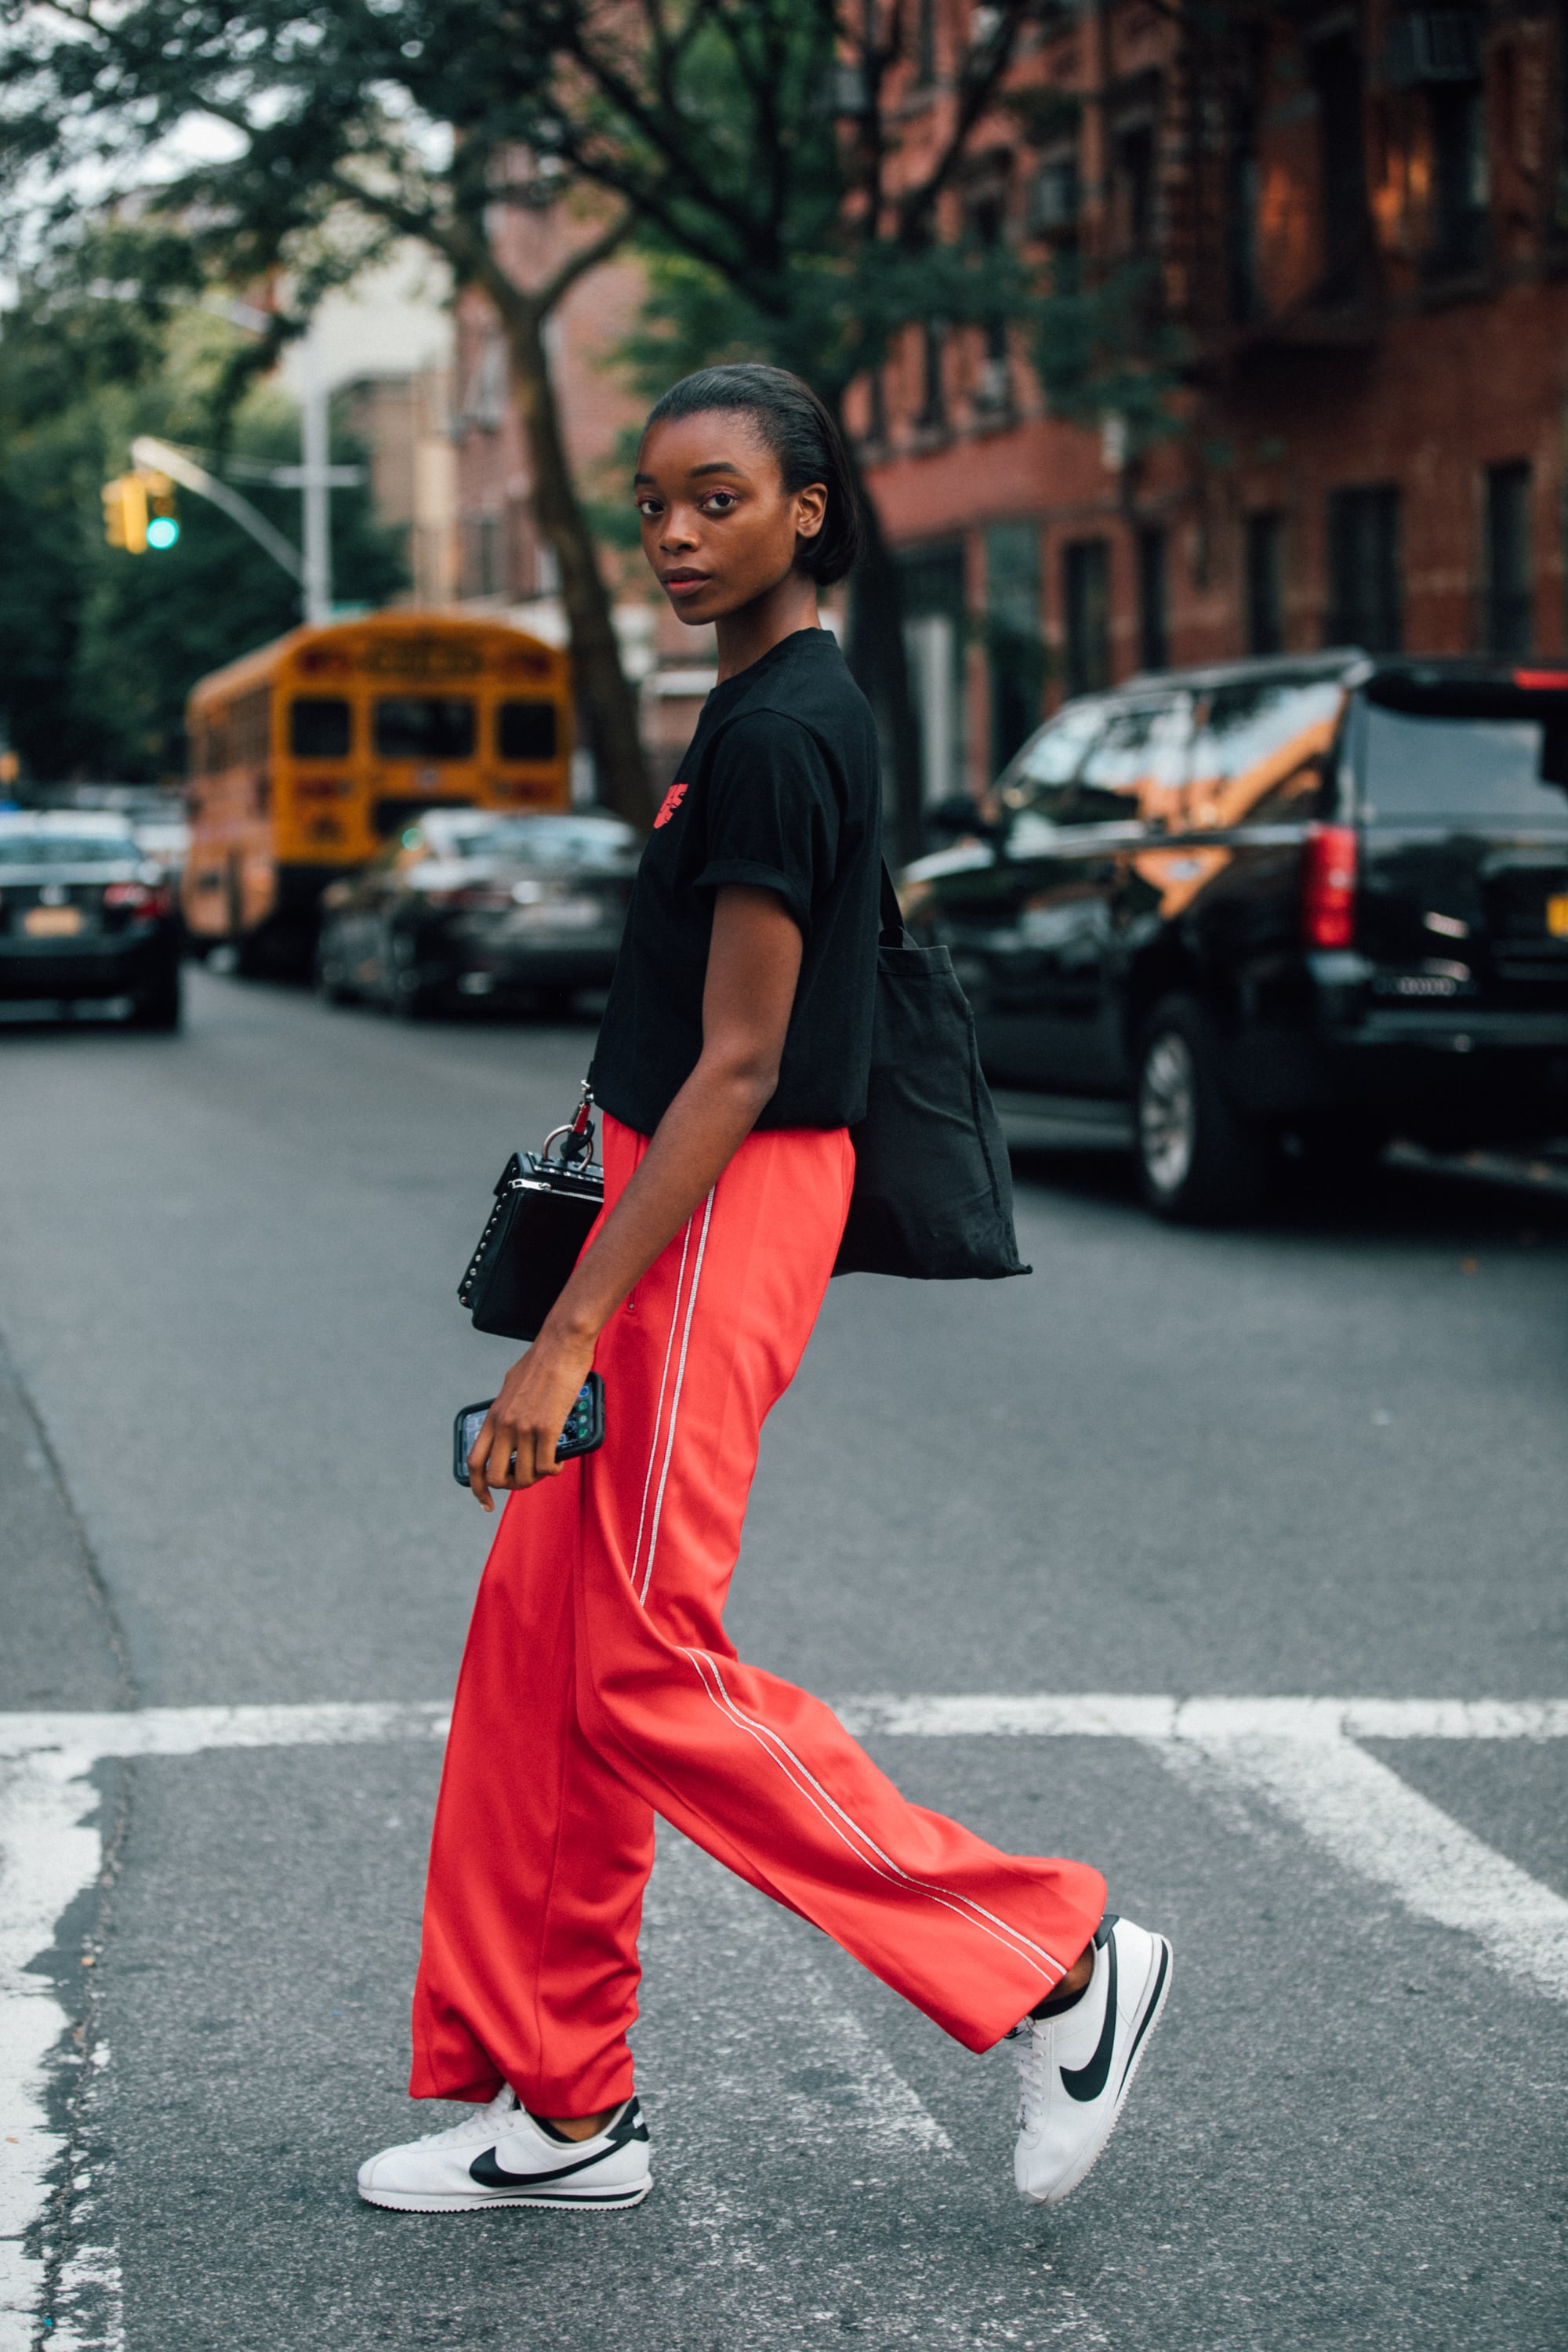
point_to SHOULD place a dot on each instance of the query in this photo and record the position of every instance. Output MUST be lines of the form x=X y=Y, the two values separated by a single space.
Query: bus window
x=320 y=727
x=525 y=730
x=424 y=726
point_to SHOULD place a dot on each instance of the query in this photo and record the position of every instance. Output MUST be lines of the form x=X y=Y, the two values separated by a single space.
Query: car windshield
x=1449 y=765
x=537 y=840
x=66 y=848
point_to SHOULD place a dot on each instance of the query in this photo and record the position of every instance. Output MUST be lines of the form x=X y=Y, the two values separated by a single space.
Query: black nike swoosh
x=492 y=2175
x=1087 y=2082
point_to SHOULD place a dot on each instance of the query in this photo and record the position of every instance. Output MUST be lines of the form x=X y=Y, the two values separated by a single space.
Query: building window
x=1341 y=156
x=1265 y=584
x=1153 y=631
x=933 y=402
x=1510 y=604
x=1013 y=644
x=1458 y=180
x=482 y=555
x=1244 y=179
x=925 y=42
x=1055 y=198
x=1136 y=172
x=1364 y=603
x=1086 y=601
x=932 y=586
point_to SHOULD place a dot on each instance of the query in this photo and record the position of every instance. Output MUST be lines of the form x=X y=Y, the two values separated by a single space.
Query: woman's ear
x=811 y=510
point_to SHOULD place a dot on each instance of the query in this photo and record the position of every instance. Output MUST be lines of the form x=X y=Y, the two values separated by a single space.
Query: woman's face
x=718 y=525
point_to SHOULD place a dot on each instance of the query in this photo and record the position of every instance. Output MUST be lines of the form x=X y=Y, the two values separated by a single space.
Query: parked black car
x=84 y=915
x=465 y=905
x=1323 y=900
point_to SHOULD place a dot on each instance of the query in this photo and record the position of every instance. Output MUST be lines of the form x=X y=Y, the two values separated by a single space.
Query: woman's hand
x=516 y=1447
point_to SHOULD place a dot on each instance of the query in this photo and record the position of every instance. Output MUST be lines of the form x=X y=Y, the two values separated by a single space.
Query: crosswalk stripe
x=1301 y=1754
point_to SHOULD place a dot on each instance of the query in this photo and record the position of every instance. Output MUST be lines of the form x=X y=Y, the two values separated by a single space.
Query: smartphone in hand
x=583 y=1433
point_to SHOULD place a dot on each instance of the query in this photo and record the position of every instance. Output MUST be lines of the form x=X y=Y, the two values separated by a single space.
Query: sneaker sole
x=612 y=2202
x=1151 y=2019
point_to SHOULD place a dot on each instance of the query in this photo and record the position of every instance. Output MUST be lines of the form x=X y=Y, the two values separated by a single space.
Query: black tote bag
x=933 y=1190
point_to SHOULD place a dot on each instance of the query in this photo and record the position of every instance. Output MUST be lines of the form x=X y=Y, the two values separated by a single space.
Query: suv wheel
x=1198 y=1160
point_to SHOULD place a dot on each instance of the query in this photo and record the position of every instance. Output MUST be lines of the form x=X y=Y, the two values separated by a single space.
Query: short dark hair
x=803 y=436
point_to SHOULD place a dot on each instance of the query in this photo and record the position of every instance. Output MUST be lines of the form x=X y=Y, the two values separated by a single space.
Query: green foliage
x=99 y=649
x=1105 y=349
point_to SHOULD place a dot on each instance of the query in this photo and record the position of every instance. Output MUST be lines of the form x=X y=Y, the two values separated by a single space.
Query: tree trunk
x=881 y=663
x=604 y=697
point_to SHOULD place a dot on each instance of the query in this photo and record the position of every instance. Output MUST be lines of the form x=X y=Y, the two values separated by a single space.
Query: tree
x=349 y=124
x=790 y=211
x=100 y=648
x=757 y=140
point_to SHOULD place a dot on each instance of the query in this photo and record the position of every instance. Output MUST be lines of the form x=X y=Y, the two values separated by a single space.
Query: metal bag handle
x=579 y=1133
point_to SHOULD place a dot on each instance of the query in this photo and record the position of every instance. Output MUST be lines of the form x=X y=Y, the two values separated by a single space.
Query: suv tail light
x=1328 y=887
x=147 y=898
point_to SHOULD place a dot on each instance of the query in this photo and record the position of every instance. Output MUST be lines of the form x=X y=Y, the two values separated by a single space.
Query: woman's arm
x=753 y=963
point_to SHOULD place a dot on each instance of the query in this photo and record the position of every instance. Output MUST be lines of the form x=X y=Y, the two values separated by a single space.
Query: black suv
x=1319 y=900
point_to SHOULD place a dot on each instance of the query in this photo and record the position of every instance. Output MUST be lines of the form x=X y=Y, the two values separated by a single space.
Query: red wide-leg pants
x=598 y=1689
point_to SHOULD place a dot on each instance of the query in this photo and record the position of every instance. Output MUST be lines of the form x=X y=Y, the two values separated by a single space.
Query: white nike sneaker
x=500 y=2155
x=1076 y=2069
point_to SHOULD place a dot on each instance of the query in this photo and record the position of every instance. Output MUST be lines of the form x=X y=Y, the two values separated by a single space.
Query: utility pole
x=315 y=476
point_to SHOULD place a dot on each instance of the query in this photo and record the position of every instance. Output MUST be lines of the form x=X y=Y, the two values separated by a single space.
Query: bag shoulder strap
x=893 y=933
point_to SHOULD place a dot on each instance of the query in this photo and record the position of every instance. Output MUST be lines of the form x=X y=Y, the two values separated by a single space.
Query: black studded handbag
x=545 y=1207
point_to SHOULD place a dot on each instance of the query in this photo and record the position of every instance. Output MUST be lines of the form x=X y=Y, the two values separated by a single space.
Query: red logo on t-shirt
x=672 y=801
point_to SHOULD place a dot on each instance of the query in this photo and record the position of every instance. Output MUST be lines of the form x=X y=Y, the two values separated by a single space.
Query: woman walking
x=599 y=1688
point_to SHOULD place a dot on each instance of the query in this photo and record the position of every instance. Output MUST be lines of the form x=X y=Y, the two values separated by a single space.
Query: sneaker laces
x=1030 y=2039
x=488 y=2121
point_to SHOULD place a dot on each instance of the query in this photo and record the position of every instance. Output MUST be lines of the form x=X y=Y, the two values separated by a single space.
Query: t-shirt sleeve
x=773 y=813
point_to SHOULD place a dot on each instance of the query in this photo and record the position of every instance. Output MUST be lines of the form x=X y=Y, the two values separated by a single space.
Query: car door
x=973 y=899
x=360 y=925
x=1071 y=913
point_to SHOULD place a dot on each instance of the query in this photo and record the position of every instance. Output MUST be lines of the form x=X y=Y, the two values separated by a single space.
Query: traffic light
x=125 y=513
x=163 y=517
x=139 y=511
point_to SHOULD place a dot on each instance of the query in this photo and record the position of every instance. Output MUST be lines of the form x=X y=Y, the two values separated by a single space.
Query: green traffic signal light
x=163 y=530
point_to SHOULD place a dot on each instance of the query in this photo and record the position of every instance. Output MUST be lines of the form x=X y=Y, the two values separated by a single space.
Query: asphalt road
x=1323 y=1458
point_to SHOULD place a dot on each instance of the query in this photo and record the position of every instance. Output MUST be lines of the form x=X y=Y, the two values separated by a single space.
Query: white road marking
x=1375 y=1824
x=48 y=1854
x=187 y=1730
x=1299 y=1753
x=1119 y=1714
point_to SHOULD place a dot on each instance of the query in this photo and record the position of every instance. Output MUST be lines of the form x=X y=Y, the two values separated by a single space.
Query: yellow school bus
x=307 y=754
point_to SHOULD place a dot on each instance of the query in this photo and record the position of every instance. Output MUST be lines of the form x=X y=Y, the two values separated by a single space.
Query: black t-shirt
x=778 y=787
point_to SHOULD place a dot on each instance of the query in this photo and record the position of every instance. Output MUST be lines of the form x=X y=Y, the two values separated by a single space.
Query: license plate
x=560 y=914
x=52 y=922
x=1557 y=915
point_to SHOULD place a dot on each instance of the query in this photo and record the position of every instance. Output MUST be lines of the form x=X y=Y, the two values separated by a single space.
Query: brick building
x=400 y=417
x=1351 y=222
